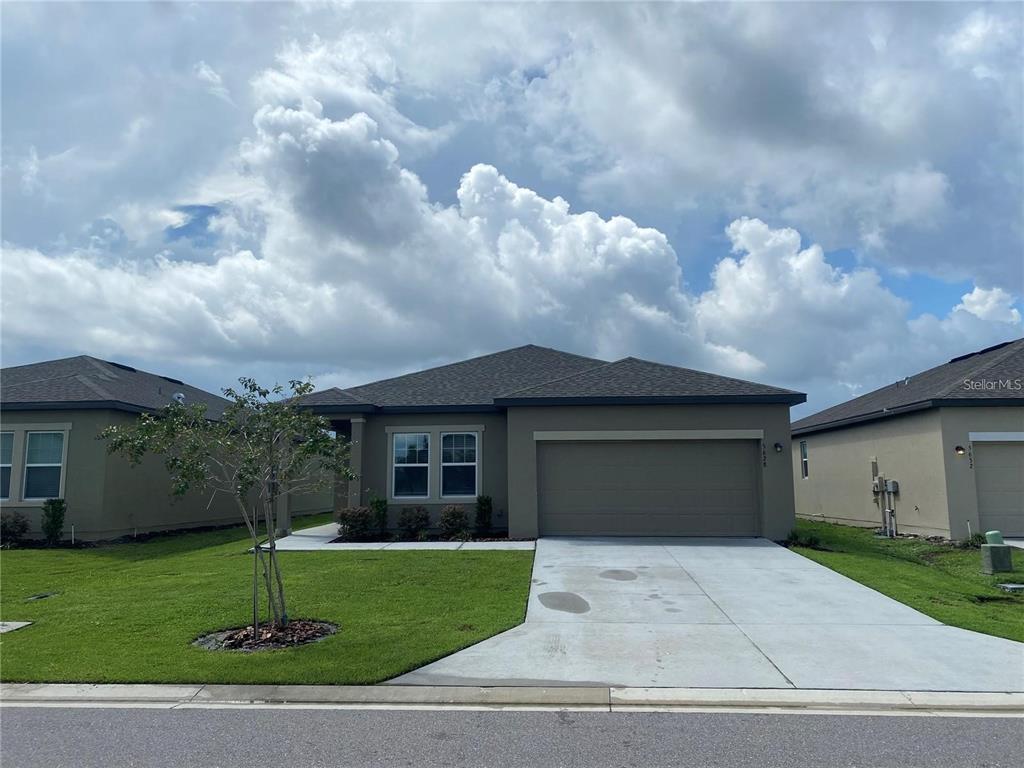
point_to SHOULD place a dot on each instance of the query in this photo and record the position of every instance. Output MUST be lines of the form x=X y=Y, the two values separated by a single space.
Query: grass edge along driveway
x=938 y=580
x=127 y=613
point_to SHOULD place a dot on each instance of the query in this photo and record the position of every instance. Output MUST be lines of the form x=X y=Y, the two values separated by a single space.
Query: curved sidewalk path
x=719 y=613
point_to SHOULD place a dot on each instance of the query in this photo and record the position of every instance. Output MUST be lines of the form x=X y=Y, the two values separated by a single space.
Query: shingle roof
x=87 y=382
x=943 y=385
x=632 y=379
x=532 y=374
x=469 y=383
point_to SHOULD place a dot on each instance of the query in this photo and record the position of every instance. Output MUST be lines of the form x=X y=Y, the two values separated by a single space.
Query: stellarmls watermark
x=994 y=385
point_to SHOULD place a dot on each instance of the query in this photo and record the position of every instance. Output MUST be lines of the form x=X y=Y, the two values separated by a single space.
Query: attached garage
x=999 y=478
x=649 y=488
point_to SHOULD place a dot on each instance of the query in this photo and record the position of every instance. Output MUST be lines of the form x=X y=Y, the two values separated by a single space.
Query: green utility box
x=996 y=558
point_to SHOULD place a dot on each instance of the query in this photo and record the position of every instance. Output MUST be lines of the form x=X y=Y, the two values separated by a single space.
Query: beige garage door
x=648 y=488
x=999 y=476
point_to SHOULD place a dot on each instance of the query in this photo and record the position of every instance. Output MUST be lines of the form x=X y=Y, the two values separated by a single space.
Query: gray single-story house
x=572 y=445
x=952 y=438
x=50 y=416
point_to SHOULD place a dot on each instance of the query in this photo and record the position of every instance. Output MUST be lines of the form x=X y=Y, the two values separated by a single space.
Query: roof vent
x=179 y=397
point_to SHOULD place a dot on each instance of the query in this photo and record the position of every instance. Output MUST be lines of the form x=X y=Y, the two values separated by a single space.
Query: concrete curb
x=598 y=698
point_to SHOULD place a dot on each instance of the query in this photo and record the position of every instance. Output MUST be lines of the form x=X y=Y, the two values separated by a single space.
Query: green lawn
x=129 y=612
x=940 y=581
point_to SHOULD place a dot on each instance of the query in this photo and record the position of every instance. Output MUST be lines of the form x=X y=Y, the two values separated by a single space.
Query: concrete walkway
x=719 y=613
x=319 y=538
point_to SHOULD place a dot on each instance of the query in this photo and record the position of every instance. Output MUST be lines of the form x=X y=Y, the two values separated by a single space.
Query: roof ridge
x=710 y=373
x=467 y=360
x=1008 y=348
x=560 y=378
x=94 y=387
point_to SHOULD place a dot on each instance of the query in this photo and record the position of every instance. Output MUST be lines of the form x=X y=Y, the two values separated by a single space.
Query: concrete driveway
x=719 y=613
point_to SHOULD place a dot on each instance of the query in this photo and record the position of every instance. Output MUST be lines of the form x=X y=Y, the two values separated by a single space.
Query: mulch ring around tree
x=269 y=638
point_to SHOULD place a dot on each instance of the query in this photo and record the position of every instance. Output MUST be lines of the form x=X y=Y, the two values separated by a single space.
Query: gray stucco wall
x=106 y=497
x=938 y=495
x=84 y=469
x=777 y=512
x=493 y=469
x=957 y=424
x=838 y=488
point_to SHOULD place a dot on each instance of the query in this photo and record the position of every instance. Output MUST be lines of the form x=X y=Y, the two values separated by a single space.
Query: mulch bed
x=270 y=637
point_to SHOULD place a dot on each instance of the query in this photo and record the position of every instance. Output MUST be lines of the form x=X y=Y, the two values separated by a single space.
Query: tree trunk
x=250 y=523
x=275 y=566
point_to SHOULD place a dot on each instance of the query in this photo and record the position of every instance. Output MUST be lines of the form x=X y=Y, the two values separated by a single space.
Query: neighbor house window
x=411 y=465
x=804 y=470
x=458 y=464
x=6 y=455
x=44 y=452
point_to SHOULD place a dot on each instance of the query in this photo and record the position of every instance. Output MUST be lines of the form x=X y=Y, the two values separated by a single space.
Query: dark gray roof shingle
x=534 y=374
x=642 y=380
x=942 y=385
x=473 y=382
x=89 y=382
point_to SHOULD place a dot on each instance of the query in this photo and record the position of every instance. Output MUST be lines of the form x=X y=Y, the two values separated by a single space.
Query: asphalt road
x=225 y=738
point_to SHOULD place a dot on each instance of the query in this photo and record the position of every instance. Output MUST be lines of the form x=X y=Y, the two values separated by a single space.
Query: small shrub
x=484 y=508
x=356 y=523
x=808 y=540
x=53 y=520
x=379 y=507
x=454 y=524
x=413 y=523
x=972 y=542
x=13 y=527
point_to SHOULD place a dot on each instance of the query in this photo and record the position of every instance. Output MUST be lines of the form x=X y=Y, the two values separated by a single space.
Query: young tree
x=262 y=448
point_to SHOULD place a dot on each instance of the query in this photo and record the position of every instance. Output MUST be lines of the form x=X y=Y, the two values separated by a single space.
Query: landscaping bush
x=973 y=542
x=484 y=507
x=356 y=523
x=379 y=507
x=454 y=523
x=797 y=539
x=13 y=527
x=53 y=520
x=413 y=522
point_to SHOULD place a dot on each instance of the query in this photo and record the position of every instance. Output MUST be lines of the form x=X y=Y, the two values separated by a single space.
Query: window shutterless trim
x=395 y=465
x=474 y=464
x=805 y=467
x=28 y=466
x=9 y=465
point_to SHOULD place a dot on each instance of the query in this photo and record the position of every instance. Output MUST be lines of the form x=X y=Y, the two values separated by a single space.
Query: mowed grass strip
x=128 y=613
x=943 y=582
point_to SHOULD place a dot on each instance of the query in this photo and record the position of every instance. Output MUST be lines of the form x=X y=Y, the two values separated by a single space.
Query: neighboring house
x=569 y=445
x=952 y=438
x=50 y=416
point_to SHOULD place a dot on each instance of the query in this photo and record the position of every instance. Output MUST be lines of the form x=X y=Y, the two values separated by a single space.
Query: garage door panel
x=999 y=478
x=694 y=488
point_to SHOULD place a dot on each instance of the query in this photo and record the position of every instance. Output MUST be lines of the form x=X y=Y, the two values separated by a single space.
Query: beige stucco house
x=50 y=416
x=572 y=445
x=952 y=438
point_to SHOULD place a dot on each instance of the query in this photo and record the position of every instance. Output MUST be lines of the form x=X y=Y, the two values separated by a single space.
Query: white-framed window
x=6 y=461
x=44 y=455
x=805 y=469
x=459 y=464
x=410 y=467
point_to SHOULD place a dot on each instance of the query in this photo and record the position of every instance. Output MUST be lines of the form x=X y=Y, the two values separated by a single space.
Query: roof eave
x=794 y=398
x=322 y=409
x=923 y=405
x=81 y=405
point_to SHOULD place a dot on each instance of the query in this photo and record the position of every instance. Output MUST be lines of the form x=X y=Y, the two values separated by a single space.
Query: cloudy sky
x=825 y=197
